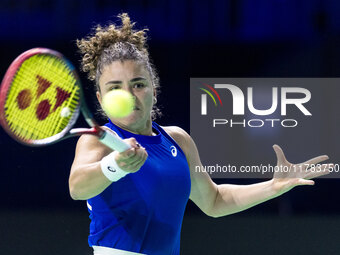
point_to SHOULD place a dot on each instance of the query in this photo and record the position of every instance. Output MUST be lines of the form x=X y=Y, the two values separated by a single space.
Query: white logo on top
x=173 y=151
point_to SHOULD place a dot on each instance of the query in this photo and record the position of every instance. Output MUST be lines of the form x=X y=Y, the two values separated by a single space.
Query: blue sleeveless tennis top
x=143 y=211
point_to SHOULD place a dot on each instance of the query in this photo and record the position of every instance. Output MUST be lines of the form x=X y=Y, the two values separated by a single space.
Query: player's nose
x=127 y=88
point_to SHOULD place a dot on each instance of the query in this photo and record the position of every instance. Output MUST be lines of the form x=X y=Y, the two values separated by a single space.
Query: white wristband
x=110 y=168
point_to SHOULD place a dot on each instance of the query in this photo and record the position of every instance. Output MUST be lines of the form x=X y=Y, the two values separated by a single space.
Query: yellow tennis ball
x=118 y=103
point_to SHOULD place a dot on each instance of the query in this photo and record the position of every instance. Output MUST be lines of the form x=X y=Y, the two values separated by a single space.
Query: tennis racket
x=40 y=100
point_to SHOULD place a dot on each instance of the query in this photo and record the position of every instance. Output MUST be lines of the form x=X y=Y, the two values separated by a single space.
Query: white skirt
x=100 y=250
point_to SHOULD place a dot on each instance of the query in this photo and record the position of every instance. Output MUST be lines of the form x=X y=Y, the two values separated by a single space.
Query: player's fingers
x=315 y=160
x=139 y=164
x=321 y=170
x=279 y=154
x=139 y=155
x=135 y=162
x=142 y=159
x=125 y=155
x=132 y=142
x=304 y=182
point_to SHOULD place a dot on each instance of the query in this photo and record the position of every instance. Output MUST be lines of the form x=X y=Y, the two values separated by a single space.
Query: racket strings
x=42 y=87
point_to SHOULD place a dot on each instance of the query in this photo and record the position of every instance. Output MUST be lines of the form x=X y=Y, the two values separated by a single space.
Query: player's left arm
x=220 y=200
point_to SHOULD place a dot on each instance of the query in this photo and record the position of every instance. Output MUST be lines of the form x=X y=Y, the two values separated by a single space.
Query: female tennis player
x=136 y=199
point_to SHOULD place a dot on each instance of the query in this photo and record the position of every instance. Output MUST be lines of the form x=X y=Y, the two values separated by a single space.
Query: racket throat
x=97 y=131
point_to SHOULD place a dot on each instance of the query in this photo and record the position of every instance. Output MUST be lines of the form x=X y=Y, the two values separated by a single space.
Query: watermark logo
x=239 y=99
x=234 y=129
x=280 y=97
x=204 y=98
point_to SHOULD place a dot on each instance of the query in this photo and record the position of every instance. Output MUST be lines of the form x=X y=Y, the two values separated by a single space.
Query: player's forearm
x=235 y=198
x=87 y=181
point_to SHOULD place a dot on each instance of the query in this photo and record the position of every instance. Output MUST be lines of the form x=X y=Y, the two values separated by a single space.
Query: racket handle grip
x=114 y=142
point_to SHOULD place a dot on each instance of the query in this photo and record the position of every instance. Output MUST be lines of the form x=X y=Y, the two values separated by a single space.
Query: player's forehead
x=123 y=71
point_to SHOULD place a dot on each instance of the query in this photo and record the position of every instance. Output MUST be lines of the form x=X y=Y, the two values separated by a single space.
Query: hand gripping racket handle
x=114 y=142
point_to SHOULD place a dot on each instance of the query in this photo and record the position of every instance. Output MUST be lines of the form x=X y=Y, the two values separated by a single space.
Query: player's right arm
x=86 y=178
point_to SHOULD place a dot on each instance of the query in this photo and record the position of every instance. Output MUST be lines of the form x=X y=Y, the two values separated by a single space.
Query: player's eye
x=115 y=87
x=139 y=85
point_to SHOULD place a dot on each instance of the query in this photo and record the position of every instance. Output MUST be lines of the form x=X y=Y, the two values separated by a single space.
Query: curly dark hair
x=111 y=43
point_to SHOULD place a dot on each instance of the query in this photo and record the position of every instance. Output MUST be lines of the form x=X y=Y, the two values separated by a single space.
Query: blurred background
x=231 y=38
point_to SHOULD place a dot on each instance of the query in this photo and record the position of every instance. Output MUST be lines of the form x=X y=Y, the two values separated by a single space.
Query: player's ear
x=99 y=97
x=154 y=96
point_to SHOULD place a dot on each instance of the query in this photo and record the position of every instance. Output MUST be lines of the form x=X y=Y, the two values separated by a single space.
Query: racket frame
x=66 y=132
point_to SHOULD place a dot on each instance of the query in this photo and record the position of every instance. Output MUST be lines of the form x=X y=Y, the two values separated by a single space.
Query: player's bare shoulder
x=181 y=137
